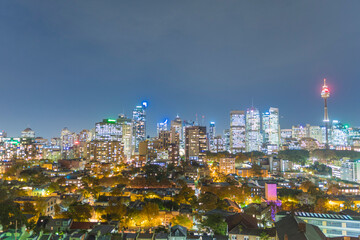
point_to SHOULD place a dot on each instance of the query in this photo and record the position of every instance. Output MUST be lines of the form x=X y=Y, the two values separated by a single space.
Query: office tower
x=315 y=132
x=28 y=133
x=350 y=171
x=185 y=124
x=237 y=131
x=195 y=143
x=108 y=130
x=177 y=136
x=253 y=136
x=299 y=132
x=2 y=135
x=212 y=133
x=325 y=94
x=227 y=140
x=67 y=138
x=127 y=134
x=339 y=134
x=139 y=125
x=271 y=127
x=162 y=126
x=84 y=136
x=219 y=144
x=67 y=141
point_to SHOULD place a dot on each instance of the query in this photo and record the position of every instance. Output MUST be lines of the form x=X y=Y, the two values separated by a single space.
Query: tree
x=182 y=220
x=216 y=223
x=29 y=208
x=264 y=236
x=307 y=186
x=53 y=187
x=306 y=199
x=256 y=169
x=79 y=212
x=185 y=196
x=115 y=211
x=10 y=214
x=150 y=214
x=321 y=205
x=208 y=201
x=297 y=156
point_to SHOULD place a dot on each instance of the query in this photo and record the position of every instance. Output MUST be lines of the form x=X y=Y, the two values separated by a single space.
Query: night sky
x=73 y=63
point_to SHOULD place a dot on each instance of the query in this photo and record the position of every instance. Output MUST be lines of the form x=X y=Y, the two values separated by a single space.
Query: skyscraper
x=176 y=132
x=212 y=134
x=162 y=126
x=271 y=127
x=28 y=133
x=195 y=143
x=127 y=134
x=139 y=125
x=237 y=131
x=108 y=130
x=253 y=136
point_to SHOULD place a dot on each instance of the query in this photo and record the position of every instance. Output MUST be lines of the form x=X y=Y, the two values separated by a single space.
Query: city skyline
x=152 y=130
x=103 y=62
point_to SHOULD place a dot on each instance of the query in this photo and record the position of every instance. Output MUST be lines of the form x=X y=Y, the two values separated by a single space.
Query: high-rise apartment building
x=139 y=125
x=195 y=143
x=350 y=171
x=212 y=134
x=227 y=140
x=253 y=135
x=108 y=130
x=127 y=134
x=237 y=131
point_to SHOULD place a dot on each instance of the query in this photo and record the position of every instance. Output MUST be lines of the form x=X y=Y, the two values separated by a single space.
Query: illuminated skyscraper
x=195 y=143
x=28 y=133
x=176 y=132
x=271 y=127
x=139 y=125
x=237 y=131
x=227 y=140
x=212 y=133
x=127 y=134
x=253 y=136
x=108 y=130
x=67 y=140
x=162 y=126
x=325 y=94
x=339 y=134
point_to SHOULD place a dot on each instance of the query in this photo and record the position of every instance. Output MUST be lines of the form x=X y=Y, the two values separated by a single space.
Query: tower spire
x=325 y=94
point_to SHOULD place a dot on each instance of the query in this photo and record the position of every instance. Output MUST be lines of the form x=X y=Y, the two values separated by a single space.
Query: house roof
x=178 y=230
x=82 y=225
x=290 y=226
x=241 y=219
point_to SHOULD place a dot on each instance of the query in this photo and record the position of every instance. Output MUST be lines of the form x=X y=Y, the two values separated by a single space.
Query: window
x=233 y=237
x=333 y=231
x=246 y=237
x=315 y=222
x=352 y=225
x=333 y=223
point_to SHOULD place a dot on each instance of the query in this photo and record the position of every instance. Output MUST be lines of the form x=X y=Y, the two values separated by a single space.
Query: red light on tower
x=325 y=92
